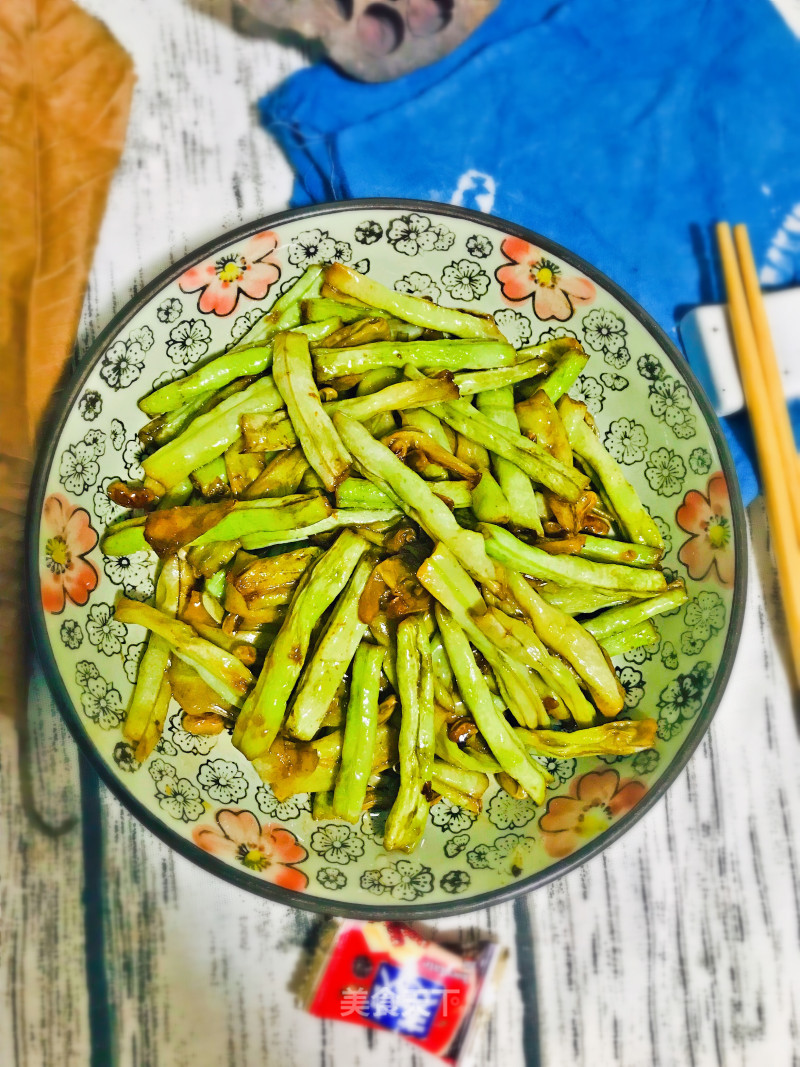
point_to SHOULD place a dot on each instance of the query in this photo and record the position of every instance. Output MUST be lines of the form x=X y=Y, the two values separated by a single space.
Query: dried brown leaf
x=65 y=90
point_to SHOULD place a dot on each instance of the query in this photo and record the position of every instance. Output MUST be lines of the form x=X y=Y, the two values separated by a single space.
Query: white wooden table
x=679 y=945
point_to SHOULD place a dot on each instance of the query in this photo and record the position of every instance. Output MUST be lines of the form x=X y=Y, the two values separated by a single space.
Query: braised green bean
x=450 y=590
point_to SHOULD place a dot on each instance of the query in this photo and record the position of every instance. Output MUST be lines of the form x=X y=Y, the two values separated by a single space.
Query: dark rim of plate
x=64 y=404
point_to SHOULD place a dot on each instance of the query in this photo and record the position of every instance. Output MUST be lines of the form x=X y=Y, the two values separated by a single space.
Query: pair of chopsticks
x=769 y=418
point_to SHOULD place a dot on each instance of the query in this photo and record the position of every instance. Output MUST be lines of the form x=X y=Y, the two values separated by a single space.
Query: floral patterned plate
x=198 y=793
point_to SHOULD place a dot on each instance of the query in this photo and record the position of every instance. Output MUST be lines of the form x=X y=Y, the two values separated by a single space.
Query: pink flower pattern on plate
x=596 y=799
x=270 y=851
x=246 y=269
x=708 y=519
x=531 y=274
x=68 y=539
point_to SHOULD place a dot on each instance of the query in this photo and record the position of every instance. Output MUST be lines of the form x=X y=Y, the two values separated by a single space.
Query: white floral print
x=188 y=341
x=331 y=878
x=71 y=634
x=411 y=234
x=243 y=324
x=131 y=660
x=403 y=880
x=197 y=744
x=626 y=440
x=103 y=630
x=633 y=684
x=132 y=456
x=317 y=246
x=122 y=363
x=465 y=280
x=169 y=310
x=102 y=703
x=515 y=326
x=368 y=232
x=604 y=331
x=283 y=810
x=117 y=434
x=665 y=472
x=504 y=811
x=670 y=403
x=451 y=817
x=417 y=284
x=588 y=391
x=456 y=845
x=78 y=469
x=177 y=796
x=90 y=405
x=132 y=573
x=85 y=671
x=508 y=855
x=337 y=843
x=103 y=506
x=222 y=780
x=479 y=246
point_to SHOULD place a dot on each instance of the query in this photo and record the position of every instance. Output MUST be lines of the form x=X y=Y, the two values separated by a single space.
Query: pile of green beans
x=394 y=557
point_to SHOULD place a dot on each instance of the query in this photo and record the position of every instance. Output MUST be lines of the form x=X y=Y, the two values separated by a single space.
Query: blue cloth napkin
x=622 y=131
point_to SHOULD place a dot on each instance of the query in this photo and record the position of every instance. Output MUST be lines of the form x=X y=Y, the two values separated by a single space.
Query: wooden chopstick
x=777 y=477
x=769 y=367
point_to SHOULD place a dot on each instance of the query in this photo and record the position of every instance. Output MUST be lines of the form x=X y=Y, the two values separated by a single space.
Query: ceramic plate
x=198 y=793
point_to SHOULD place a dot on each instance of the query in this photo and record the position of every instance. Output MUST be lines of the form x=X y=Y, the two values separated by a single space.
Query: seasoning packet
x=391 y=976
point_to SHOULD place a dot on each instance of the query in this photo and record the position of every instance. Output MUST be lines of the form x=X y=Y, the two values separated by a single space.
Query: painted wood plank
x=199 y=971
x=43 y=997
x=681 y=943
x=196 y=162
x=196 y=970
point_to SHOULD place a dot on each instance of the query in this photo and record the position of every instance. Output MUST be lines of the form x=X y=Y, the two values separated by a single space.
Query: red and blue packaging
x=389 y=976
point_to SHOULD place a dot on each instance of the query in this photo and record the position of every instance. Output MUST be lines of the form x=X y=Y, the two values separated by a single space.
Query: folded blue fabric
x=620 y=131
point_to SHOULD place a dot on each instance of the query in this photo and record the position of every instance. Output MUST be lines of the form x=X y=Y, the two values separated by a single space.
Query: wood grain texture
x=57 y=152
x=681 y=943
x=678 y=946
x=43 y=996
x=196 y=162
x=198 y=970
